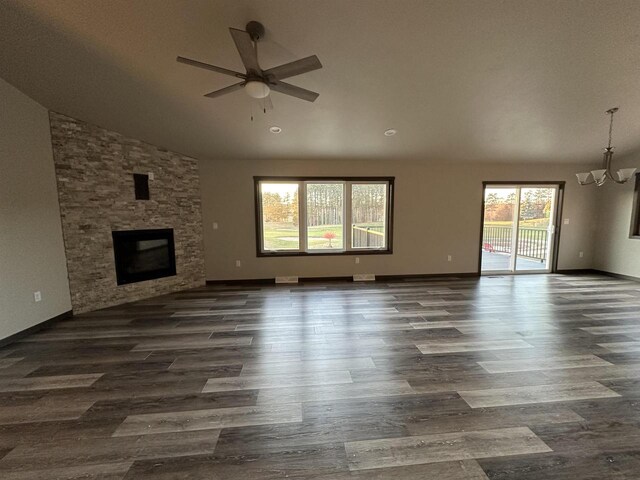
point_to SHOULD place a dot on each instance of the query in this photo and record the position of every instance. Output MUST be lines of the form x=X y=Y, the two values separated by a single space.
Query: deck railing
x=367 y=236
x=532 y=242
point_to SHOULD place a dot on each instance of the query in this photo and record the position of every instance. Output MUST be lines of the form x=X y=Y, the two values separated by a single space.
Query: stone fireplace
x=99 y=174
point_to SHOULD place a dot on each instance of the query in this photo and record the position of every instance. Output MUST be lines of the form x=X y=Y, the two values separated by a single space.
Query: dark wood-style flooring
x=508 y=377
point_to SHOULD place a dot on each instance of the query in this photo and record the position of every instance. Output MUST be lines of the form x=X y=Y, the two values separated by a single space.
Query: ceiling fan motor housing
x=255 y=30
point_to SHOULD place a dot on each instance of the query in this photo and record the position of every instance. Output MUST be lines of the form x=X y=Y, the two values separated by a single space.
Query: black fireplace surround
x=143 y=254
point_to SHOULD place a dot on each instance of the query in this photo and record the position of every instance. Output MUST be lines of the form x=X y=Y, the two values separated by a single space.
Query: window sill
x=634 y=237
x=324 y=254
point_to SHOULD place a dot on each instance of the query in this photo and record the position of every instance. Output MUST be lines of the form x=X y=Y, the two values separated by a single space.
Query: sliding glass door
x=518 y=228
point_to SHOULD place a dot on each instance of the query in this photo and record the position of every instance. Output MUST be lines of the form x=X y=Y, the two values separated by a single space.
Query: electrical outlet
x=581 y=254
x=37 y=296
x=449 y=258
x=151 y=176
x=215 y=225
x=238 y=263
x=357 y=259
x=566 y=221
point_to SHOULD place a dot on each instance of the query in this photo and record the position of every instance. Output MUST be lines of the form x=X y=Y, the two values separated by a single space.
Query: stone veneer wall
x=94 y=170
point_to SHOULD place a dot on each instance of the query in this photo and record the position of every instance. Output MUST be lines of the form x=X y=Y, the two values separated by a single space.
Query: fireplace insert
x=143 y=254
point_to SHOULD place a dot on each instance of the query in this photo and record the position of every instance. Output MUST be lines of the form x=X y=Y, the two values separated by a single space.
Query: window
x=635 y=215
x=280 y=222
x=330 y=216
x=368 y=215
x=325 y=215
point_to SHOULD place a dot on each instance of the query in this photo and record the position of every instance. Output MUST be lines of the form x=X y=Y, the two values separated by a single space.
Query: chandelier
x=599 y=177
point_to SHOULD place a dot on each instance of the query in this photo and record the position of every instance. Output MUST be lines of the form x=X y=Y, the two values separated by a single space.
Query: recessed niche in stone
x=141 y=185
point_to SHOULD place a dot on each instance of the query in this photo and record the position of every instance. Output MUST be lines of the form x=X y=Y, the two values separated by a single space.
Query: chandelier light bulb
x=583 y=177
x=599 y=175
x=624 y=174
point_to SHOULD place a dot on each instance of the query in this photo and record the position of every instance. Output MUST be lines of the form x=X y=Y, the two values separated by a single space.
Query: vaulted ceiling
x=513 y=80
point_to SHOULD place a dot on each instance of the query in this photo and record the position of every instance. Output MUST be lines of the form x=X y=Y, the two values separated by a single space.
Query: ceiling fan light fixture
x=256 y=89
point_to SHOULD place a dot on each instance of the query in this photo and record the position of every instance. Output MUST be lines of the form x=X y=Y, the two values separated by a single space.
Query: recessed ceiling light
x=275 y=129
x=391 y=132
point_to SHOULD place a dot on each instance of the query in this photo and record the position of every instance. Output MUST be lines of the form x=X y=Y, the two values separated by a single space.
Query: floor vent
x=286 y=279
x=364 y=277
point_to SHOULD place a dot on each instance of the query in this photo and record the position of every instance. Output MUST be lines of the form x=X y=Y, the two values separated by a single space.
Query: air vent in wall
x=286 y=279
x=141 y=186
x=364 y=277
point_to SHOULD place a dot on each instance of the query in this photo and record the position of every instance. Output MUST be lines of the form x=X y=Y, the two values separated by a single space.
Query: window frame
x=303 y=250
x=634 y=232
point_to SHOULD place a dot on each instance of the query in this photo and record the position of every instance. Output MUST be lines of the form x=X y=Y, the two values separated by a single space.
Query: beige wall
x=615 y=251
x=437 y=213
x=31 y=249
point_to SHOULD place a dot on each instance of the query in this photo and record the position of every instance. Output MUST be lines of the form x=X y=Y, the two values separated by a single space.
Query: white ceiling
x=460 y=80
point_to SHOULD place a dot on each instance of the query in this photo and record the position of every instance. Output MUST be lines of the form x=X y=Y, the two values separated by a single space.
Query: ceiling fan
x=256 y=82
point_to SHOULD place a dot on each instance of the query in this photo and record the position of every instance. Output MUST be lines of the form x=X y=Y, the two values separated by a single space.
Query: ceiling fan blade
x=246 y=49
x=225 y=90
x=294 y=91
x=213 y=68
x=292 y=69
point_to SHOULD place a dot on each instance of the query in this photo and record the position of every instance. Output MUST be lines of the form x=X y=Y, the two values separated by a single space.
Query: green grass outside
x=280 y=236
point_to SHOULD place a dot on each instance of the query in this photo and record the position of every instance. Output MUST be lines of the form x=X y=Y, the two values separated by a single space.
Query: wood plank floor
x=506 y=377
